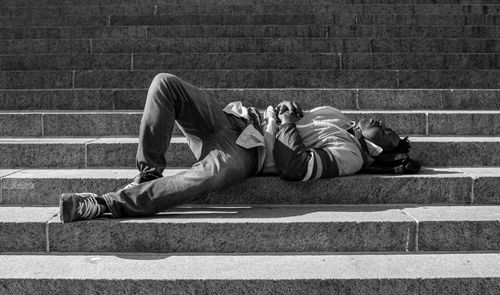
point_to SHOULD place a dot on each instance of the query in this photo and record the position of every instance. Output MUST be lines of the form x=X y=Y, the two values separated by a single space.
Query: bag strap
x=364 y=147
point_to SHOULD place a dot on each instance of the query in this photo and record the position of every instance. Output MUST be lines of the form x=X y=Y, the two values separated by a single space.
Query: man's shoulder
x=327 y=113
x=325 y=109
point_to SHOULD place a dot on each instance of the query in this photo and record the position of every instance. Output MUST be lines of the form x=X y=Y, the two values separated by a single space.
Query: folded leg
x=171 y=100
x=225 y=164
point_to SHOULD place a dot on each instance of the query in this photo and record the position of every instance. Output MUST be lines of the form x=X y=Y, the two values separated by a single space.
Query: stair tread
x=274 y=213
x=138 y=266
x=448 y=172
x=461 y=273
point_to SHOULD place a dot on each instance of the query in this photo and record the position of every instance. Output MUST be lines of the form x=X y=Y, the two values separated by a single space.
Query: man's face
x=379 y=134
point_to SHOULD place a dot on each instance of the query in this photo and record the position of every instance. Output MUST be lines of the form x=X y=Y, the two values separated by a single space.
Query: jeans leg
x=225 y=164
x=171 y=99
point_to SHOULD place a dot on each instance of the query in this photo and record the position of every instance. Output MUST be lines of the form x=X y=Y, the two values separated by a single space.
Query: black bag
x=396 y=161
x=399 y=163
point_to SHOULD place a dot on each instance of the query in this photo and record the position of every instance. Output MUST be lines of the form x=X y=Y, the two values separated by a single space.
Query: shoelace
x=89 y=208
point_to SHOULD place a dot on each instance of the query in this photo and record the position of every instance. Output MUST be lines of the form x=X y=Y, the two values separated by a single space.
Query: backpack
x=396 y=161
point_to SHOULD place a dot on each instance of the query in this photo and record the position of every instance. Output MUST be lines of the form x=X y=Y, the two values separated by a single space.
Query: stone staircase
x=74 y=77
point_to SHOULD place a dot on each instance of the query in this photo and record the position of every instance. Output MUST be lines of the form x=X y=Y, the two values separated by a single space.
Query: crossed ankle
x=147 y=176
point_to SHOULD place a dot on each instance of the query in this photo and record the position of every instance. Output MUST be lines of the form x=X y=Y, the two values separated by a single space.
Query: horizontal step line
x=180 y=139
x=266 y=89
x=346 y=111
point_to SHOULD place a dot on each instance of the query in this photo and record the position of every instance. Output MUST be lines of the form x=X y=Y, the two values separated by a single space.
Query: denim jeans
x=211 y=136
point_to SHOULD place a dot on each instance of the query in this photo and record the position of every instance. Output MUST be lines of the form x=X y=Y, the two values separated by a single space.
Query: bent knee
x=165 y=78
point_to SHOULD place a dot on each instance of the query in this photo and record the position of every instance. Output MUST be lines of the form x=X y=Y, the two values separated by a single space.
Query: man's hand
x=289 y=112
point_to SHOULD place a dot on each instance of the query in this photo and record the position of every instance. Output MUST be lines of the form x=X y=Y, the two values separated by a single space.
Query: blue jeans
x=211 y=136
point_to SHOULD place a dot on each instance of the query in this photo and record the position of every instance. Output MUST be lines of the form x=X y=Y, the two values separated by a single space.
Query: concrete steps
x=195 y=61
x=126 y=123
x=249 y=19
x=260 y=228
x=363 y=99
x=250 y=78
x=438 y=185
x=238 y=31
x=463 y=273
x=73 y=82
x=120 y=152
x=354 y=8
x=249 y=45
x=190 y=19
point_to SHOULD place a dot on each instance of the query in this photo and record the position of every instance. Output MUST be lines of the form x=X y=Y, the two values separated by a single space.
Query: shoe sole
x=66 y=203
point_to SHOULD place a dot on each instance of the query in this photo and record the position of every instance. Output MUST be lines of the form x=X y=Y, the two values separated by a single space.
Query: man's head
x=379 y=134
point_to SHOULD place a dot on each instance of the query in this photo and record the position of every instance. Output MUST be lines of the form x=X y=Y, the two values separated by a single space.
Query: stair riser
x=123 y=124
x=304 y=19
x=453 y=8
x=330 y=61
x=175 y=231
x=425 y=20
x=449 y=187
x=89 y=10
x=368 y=99
x=159 y=20
x=276 y=237
x=102 y=154
x=24 y=230
x=419 y=61
x=251 y=19
x=80 y=155
x=431 y=240
x=459 y=286
x=231 y=238
x=217 y=45
x=252 y=31
x=256 y=79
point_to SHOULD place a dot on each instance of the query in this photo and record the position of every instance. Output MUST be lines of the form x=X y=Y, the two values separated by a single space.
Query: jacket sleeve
x=296 y=162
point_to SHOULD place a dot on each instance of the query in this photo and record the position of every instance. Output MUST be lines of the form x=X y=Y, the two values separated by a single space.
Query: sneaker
x=79 y=206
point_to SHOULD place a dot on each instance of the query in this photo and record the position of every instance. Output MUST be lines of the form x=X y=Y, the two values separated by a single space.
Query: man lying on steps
x=234 y=143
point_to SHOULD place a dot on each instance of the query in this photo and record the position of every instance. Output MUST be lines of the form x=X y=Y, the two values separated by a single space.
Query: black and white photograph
x=250 y=147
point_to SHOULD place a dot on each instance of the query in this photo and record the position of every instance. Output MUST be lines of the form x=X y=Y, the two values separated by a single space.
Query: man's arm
x=293 y=160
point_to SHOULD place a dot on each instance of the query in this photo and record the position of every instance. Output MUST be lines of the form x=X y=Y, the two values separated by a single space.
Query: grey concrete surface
x=367 y=99
x=126 y=123
x=120 y=152
x=486 y=184
x=457 y=228
x=43 y=152
x=264 y=78
x=23 y=229
x=242 y=229
x=243 y=274
x=432 y=186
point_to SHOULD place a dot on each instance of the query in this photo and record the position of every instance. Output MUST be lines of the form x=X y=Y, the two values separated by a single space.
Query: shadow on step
x=273 y=213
